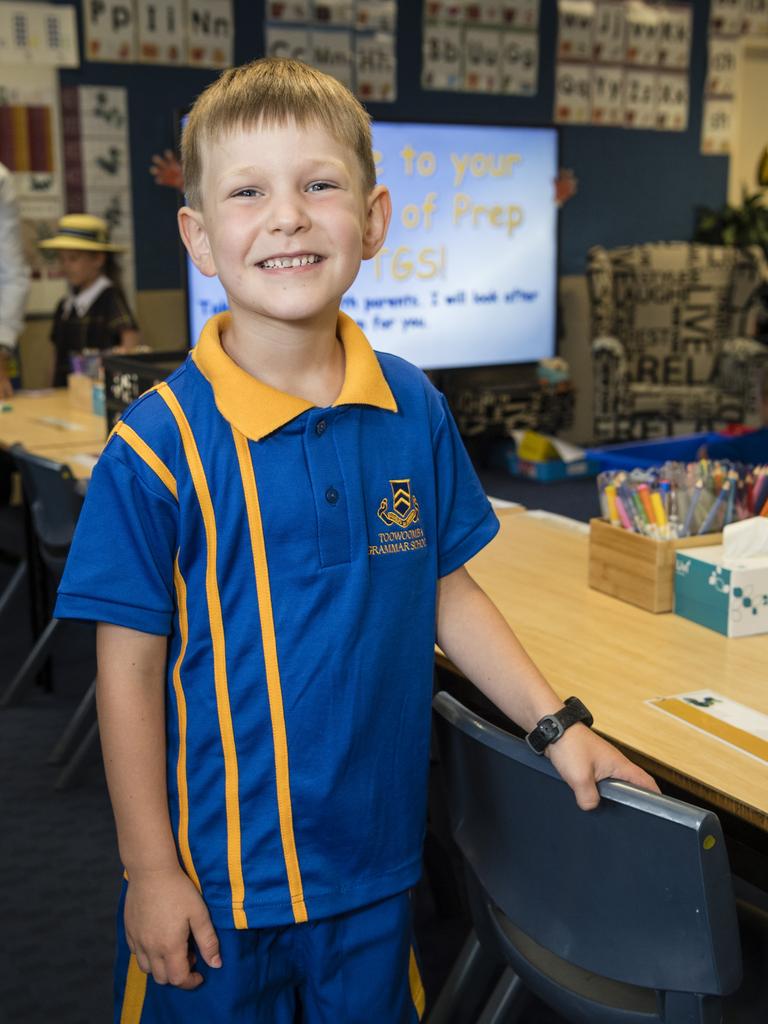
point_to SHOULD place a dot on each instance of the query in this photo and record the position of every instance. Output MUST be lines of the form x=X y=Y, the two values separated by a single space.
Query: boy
x=282 y=523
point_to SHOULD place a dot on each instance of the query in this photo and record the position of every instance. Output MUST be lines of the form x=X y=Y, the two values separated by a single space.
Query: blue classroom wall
x=634 y=186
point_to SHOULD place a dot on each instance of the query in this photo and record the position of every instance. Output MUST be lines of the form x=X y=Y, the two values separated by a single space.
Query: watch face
x=551 y=729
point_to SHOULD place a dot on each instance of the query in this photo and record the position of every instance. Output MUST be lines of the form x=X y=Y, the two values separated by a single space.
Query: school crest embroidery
x=405 y=507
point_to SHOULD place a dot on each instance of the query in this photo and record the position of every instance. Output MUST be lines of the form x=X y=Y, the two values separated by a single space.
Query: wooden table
x=49 y=424
x=615 y=657
x=49 y=420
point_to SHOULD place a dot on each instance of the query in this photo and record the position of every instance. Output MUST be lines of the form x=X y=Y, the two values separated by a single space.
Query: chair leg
x=25 y=677
x=681 y=1007
x=16 y=581
x=508 y=1001
x=468 y=984
x=74 y=726
x=72 y=770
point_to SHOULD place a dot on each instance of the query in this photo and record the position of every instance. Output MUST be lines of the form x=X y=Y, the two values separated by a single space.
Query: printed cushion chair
x=671 y=345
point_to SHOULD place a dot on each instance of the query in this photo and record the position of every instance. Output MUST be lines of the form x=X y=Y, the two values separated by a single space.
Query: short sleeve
x=119 y=316
x=120 y=565
x=466 y=521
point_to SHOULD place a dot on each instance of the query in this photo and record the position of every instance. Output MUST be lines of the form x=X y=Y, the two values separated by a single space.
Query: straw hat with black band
x=82 y=231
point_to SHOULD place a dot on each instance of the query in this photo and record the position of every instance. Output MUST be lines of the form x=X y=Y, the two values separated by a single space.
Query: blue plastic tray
x=642 y=454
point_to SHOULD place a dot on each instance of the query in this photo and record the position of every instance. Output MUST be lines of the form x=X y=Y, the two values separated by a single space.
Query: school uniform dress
x=93 y=318
x=291 y=555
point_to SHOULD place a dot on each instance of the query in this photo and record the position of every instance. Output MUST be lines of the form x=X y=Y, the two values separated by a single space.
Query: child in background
x=271 y=544
x=94 y=314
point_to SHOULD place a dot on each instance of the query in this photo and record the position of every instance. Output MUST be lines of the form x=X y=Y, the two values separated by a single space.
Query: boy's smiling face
x=285 y=220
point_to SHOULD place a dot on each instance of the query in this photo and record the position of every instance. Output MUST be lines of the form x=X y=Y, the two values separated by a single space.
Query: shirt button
x=331 y=495
x=320 y=427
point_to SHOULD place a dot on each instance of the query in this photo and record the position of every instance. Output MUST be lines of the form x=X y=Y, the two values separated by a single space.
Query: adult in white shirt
x=14 y=278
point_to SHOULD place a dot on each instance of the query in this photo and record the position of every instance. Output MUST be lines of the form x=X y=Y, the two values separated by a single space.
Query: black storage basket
x=128 y=376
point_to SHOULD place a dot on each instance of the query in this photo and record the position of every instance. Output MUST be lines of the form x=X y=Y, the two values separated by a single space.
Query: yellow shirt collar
x=256 y=409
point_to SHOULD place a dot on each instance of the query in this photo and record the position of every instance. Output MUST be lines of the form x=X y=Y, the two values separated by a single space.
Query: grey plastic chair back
x=622 y=915
x=54 y=504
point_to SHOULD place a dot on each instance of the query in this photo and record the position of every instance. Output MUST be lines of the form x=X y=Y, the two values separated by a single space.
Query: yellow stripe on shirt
x=146 y=454
x=216 y=624
x=135 y=990
x=417 y=988
x=274 y=688
x=181 y=712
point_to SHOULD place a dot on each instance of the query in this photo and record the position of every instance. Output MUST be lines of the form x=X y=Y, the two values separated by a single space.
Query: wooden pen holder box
x=635 y=568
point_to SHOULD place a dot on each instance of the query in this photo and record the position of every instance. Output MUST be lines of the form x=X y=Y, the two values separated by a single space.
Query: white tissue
x=746 y=539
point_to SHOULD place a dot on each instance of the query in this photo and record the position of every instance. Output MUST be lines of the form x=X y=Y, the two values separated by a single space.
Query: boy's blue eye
x=247 y=192
x=320 y=186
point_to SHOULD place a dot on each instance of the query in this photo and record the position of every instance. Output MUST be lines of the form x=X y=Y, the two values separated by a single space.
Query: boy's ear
x=377 y=221
x=195 y=239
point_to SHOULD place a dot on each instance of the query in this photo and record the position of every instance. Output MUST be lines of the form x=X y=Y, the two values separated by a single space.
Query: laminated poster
x=608 y=95
x=98 y=172
x=331 y=52
x=106 y=164
x=639 y=98
x=288 y=41
x=210 y=33
x=102 y=112
x=573 y=93
x=376 y=16
x=482 y=60
x=675 y=31
x=608 y=40
x=671 y=101
x=520 y=13
x=484 y=12
x=44 y=35
x=519 y=63
x=755 y=17
x=442 y=57
x=481 y=46
x=110 y=31
x=30 y=148
x=376 y=67
x=574 y=29
x=337 y=13
x=288 y=10
x=449 y=12
x=161 y=32
x=723 y=66
x=717 y=125
x=354 y=42
x=739 y=726
x=642 y=35
x=726 y=17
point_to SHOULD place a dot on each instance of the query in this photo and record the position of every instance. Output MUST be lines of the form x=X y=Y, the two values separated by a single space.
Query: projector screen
x=467 y=276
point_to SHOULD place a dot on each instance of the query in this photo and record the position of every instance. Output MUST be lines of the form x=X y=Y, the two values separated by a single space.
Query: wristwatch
x=550 y=728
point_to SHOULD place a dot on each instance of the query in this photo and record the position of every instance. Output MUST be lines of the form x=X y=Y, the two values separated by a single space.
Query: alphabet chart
x=353 y=40
x=623 y=64
x=487 y=47
x=196 y=33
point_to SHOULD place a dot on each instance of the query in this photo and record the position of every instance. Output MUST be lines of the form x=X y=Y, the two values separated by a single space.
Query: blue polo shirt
x=291 y=554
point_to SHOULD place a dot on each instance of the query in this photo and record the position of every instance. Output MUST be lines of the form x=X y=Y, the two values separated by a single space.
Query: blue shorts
x=355 y=968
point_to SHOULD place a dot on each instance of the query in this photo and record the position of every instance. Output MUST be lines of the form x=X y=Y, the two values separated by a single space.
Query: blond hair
x=273 y=91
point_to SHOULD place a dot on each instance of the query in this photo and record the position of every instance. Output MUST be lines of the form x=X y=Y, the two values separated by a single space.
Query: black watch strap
x=550 y=728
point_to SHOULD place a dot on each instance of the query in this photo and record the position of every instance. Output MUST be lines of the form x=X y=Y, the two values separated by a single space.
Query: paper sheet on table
x=710 y=712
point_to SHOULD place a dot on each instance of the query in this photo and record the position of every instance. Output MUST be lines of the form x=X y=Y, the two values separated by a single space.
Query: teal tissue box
x=731 y=598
